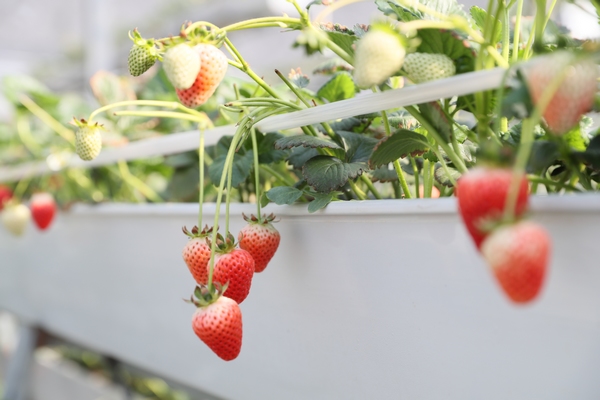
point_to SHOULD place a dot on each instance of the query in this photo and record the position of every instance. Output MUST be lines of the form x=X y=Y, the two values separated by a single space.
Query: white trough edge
x=579 y=203
x=180 y=142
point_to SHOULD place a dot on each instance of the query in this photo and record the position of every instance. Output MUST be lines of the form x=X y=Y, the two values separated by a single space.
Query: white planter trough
x=364 y=300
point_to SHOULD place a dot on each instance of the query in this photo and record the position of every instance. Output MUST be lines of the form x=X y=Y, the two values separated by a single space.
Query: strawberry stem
x=256 y=173
x=201 y=174
x=153 y=103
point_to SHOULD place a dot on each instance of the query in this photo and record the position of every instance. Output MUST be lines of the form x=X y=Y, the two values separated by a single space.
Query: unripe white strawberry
x=424 y=67
x=574 y=97
x=181 y=64
x=379 y=54
x=88 y=142
x=15 y=218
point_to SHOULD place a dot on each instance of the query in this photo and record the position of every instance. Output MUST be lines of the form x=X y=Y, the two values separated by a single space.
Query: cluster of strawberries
x=194 y=69
x=226 y=282
x=517 y=252
x=15 y=215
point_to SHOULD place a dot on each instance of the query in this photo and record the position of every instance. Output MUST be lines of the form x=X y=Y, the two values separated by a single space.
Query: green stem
x=153 y=103
x=456 y=160
x=505 y=33
x=285 y=179
x=413 y=163
x=137 y=183
x=161 y=114
x=228 y=195
x=201 y=175
x=371 y=187
x=263 y=22
x=256 y=172
x=427 y=184
x=517 y=32
x=534 y=179
x=402 y=179
x=48 y=119
x=358 y=191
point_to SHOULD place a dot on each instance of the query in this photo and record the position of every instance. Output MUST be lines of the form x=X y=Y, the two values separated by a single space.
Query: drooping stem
x=402 y=179
x=256 y=172
x=48 y=119
x=201 y=177
x=517 y=32
x=413 y=163
x=153 y=103
x=162 y=114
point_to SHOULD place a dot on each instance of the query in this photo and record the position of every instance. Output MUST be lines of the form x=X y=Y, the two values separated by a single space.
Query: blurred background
x=62 y=43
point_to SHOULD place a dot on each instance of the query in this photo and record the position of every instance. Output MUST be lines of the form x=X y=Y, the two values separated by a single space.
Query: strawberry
x=518 y=255
x=43 y=209
x=219 y=325
x=237 y=268
x=482 y=195
x=196 y=254
x=424 y=67
x=260 y=239
x=213 y=67
x=142 y=55
x=5 y=195
x=15 y=218
x=574 y=97
x=181 y=64
x=379 y=54
x=88 y=141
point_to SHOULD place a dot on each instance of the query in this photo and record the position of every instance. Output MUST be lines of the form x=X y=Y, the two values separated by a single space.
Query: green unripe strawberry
x=142 y=55
x=181 y=64
x=425 y=67
x=379 y=55
x=88 y=140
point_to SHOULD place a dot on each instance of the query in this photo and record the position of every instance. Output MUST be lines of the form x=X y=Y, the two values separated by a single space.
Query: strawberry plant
x=491 y=149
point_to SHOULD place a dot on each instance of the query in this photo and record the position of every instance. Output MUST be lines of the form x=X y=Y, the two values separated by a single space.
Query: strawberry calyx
x=82 y=123
x=493 y=223
x=197 y=233
x=263 y=220
x=223 y=245
x=205 y=295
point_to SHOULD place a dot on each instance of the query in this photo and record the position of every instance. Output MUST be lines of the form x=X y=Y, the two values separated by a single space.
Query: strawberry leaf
x=300 y=155
x=342 y=36
x=289 y=142
x=399 y=145
x=284 y=195
x=326 y=173
x=393 y=9
x=340 y=87
x=321 y=200
x=384 y=174
x=479 y=15
x=330 y=67
x=436 y=117
x=543 y=154
x=242 y=166
x=443 y=178
x=267 y=154
x=358 y=147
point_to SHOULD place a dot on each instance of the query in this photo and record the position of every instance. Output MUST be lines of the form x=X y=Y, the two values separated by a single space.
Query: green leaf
x=479 y=15
x=298 y=78
x=284 y=195
x=402 y=120
x=443 y=178
x=436 y=41
x=393 y=9
x=267 y=154
x=399 y=145
x=340 y=87
x=543 y=155
x=321 y=200
x=517 y=103
x=264 y=200
x=591 y=155
x=342 y=36
x=326 y=173
x=348 y=124
x=384 y=174
x=433 y=113
x=300 y=155
x=289 y=142
x=359 y=147
x=15 y=86
x=242 y=166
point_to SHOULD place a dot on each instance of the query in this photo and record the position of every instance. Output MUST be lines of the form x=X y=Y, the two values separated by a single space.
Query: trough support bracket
x=16 y=381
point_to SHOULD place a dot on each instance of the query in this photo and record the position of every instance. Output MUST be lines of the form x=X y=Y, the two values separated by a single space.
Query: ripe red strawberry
x=482 y=195
x=196 y=254
x=213 y=67
x=260 y=239
x=379 y=55
x=574 y=97
x=219 y=326
x=43 y=209
x=518 y=255
x=236 y=267
x=15 y=218
x=5 y=195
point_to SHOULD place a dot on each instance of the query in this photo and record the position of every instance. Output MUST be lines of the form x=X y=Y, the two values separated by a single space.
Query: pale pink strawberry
x=196 y=253
x=213 y=67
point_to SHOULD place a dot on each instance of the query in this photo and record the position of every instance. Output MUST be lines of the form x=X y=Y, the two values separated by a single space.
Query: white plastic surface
x=374 y=300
